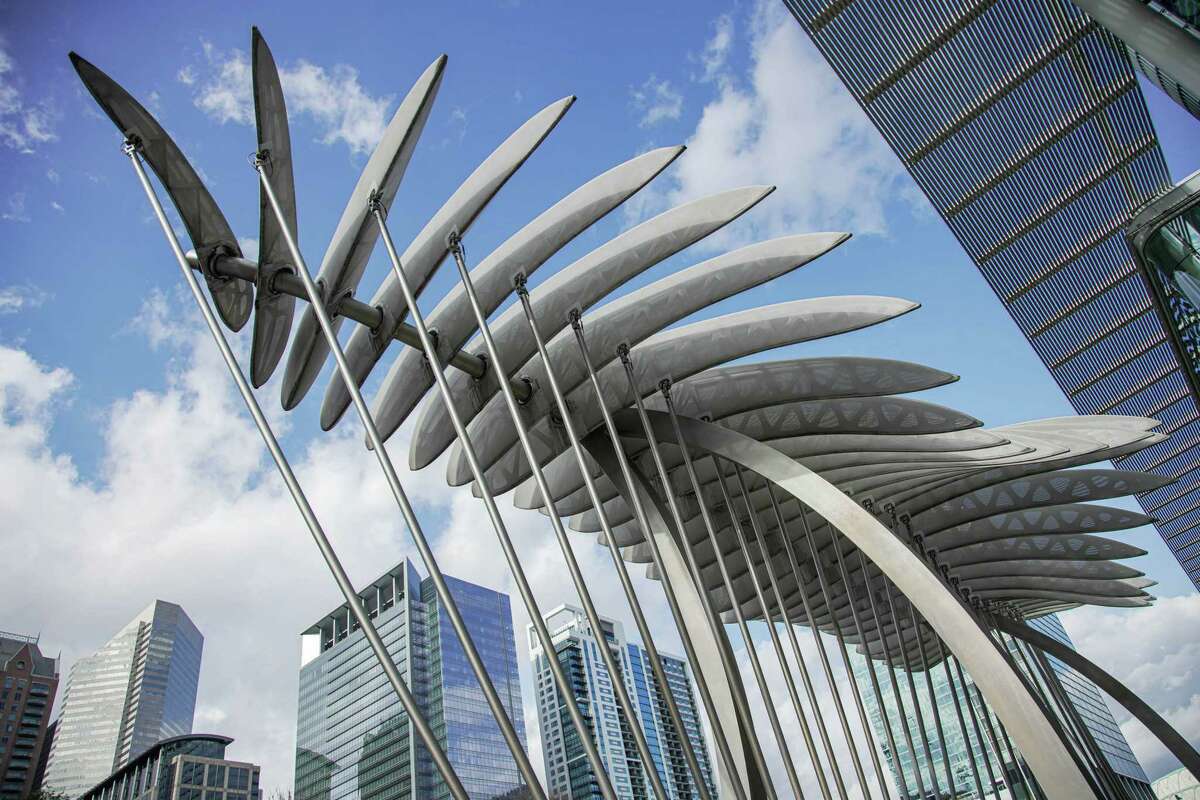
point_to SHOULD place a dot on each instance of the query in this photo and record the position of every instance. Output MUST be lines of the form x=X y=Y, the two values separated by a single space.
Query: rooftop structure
x=28 y=683
x=189 y=767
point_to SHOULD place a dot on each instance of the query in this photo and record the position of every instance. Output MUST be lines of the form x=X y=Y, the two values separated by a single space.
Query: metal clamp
x=375 y=204
x=132 y=144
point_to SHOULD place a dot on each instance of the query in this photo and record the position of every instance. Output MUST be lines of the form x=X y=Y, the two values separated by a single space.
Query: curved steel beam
x=1004 y=690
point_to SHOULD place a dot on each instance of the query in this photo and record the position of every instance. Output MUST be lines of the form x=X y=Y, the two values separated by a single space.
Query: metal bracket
x=520 y=284
x=375 y=204
x=575 y=317
x=131 y=145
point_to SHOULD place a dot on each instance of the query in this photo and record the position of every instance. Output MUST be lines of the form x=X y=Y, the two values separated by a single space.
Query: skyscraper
x=577 y=649
x=136 y=690
x=28 y=683
x=1084 y=696
x=353 y=739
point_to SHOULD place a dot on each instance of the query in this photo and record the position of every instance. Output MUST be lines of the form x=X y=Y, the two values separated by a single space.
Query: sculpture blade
x=422 y=257
x=206 y=225
x=352 y=243
x=272 y=310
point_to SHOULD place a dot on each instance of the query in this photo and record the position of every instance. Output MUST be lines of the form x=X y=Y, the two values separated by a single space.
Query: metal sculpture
x=803 y=491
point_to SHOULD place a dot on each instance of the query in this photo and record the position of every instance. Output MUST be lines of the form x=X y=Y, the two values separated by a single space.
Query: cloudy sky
x=130 y=470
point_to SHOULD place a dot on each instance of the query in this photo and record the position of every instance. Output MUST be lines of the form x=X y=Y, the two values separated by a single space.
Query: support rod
x=962 y=724
x=656 y=553
x=381 y=455
x=912 y=693
x=287 y=282
x=407 y=701
x=587 y=739
x=744 y=547
x=983 y=745
x=690 y=469
x=430 y=349
x=610 y=663
x=937 y=714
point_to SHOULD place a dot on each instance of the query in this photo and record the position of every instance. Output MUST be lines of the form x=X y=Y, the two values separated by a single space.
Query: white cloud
x=14 y=210
x=22 y=126
x=57 y=206
x=1156 y=653
x=21 y=297
x=657 y=101
x=785 y=121
x=52 y=175
x=343 y=110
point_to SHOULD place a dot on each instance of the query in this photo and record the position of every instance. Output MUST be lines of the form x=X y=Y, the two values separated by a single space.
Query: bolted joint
x=520 y=284
x=132 y=144
x=455 y=245
x=575 y=316
x=623 y=353
x=261 y=160
x=375 y=204
x=664 y=386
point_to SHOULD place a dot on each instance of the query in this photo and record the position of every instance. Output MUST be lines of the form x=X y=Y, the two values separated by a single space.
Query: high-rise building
x=136 y=690
x=1024 y=124
x=1178 y=784
x=190 y=767
x=353 y=740
x=577 y=648
x=28 y=683
x=1084 y=696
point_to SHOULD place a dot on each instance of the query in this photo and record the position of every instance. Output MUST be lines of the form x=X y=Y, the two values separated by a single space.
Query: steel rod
x=962 y=724
x=806 y=677
x=829 y=676
x=656 y=553
x=937 y=714
x=436 y=368
x=983 y=744
x=668 y=589
x=756 y=667
x=407 y=701
x=873 y=678
x=744 y=546
x=586 y=738
x=622 y=695
x=912 y=692
x=995 y=740
x=895 y=684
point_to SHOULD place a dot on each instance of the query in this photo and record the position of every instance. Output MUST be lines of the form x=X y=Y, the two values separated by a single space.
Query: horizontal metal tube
x=362 y=313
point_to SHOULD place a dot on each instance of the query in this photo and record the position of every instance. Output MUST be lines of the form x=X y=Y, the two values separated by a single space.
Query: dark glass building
x=1023 y=123
x=191 y=767
x=28 y=683
x=353 y=740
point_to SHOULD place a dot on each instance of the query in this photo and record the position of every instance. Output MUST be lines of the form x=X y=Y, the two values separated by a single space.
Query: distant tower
x=577 y=648
x=28 y=682
x=352 y=738
x=136 y=690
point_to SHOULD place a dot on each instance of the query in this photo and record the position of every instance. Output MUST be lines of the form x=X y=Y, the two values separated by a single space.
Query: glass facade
x=1083 y=694
x=136 y=690
x=567 y=769
x=353 y=739
x=182 y=768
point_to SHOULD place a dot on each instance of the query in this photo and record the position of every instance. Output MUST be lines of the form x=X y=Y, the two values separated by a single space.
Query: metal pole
x=983 y=745
x=656 y=554
x=639 y=737
x=874 y=679
x=586 y=738
x=822 y=729
x=912 y=692
x=796 y=651
x=656 y=557
x=510 y=554
x=743 y=544
x=833 y=687
x=937 y=714
x=962 y=724
x=991 y=732
x=289 y=478
x=891 y=671
x=690 y=469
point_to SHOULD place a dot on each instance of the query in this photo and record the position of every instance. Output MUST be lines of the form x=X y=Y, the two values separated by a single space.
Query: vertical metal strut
x=937 y=714
x=587 y=740
x=514 y=563
x=690 y=469
x=874 y=679
x=983 y=745
x=743 y=545
x=962 y=724
x=895 y=684
x=912 y=693
x=618 y=679
x=407 y=701
x=656 y=553
x=672 y=601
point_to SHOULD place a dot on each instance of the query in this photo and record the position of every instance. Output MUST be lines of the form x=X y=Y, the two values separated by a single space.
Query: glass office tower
x=1083 y=695
x=353 y=739
x=136 y=690
x=567 y=770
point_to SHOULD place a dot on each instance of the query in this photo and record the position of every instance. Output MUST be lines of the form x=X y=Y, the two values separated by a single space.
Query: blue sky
x=104 y=357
